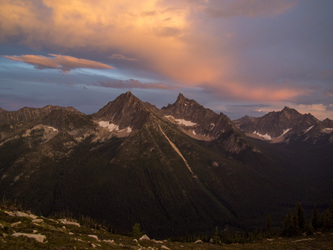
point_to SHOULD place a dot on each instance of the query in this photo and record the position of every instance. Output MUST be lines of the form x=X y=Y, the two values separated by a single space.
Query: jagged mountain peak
x=203 y=123
x=184 y=106
x=181 y=97
x=123 y=101
x=127 y=96
x=327 y=120
x=289 y=113
x=281 y=126
x=126 y=99
x=286 y=108
x=126 y=111
x=286 y=112
x=182 y=100
x=187 y=109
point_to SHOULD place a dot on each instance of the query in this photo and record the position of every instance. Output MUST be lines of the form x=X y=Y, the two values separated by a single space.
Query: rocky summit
x=287 y=126
x=179 y=170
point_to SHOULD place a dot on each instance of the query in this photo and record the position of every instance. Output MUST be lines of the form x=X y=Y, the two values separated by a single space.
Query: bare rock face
x=125 y=111
x=28 y=114
x=287 y=125
x=204 y=124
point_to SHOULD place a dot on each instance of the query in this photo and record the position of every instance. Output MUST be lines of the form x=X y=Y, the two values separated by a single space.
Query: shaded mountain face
x=201 y=123
x=46 y=122
x=126 y=111
x=133 y=163
x=124 y=164
x=286 y=125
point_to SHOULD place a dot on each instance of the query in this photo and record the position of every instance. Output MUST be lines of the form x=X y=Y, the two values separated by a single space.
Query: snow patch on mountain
x=181 y=121
x=113 y=127
x=186 y=123
x=53 y=129
x=48 y=132
x=110 y=126
x=327 y=130
x=265 y=136
x=308 y=129
x=285 y=132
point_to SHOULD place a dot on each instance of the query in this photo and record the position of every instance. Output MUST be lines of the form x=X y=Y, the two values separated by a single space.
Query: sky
x=239 y=57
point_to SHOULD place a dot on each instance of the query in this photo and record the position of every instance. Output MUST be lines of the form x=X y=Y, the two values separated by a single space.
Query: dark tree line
x=295 y=224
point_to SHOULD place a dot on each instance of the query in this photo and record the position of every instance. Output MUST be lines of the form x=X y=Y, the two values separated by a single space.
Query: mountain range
x=181 y=169
x=287 y=125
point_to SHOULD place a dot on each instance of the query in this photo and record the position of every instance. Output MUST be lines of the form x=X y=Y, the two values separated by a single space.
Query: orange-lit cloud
x=260 y=93
x=64 y=63
x=162 y=36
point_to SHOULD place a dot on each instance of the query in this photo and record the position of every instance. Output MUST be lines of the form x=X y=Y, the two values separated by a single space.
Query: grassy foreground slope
x=23 y=230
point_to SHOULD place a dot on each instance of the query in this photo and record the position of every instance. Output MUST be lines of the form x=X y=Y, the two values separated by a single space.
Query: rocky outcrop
x=287 y=125
x=204 y=124
x=126 y=111
x=28 y=114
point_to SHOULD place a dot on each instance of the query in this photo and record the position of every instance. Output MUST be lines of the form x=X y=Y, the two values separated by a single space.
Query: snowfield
x=181 y=121
x=265 y=136
x=53 y=129
x=113 y=127
x=308 y=129
x=327 y=130
x=285 y=132
x=110 y=126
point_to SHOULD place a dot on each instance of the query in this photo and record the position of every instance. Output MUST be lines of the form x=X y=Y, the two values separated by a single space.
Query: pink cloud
x=258 y=93
x=61 y=62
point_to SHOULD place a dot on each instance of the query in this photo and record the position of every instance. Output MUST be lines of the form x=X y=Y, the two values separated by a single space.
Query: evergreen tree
x=315 y=218
x=328 y=217
x=309 y=229
x=226 y=236
x=268 y=225
x=289 y=227
x=299 y=217
x=216 y=238
x=137 y=233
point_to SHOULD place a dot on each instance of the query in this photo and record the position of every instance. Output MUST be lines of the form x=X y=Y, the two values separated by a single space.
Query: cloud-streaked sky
x=234 y=56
